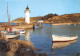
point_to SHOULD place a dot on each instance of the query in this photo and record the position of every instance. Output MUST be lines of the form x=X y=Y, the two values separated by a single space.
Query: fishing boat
x=64 y=38
x=10 y=33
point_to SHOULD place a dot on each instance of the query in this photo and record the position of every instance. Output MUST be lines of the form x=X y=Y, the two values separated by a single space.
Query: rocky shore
x=11 y=47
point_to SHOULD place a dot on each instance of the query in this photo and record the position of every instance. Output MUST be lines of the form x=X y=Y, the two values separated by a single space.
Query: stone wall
x=25 y=26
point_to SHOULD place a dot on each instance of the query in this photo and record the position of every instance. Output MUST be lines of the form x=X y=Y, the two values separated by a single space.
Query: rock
x=4 y=46
x=42 y=54
x=10 y=53
x=26 y=44
x=17 y=48
x=14 y=46
x=78 y=54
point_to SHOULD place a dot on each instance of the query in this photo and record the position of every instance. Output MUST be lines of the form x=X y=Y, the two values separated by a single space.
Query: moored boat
x=10 y=33
x=22 y=32
x=64 y=38
x=37 y=25
x=17 y=29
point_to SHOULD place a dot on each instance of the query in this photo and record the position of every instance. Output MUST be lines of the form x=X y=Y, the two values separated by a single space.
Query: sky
x=16 y=8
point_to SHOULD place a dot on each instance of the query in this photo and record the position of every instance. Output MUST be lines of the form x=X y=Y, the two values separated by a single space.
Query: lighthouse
x=27 y=15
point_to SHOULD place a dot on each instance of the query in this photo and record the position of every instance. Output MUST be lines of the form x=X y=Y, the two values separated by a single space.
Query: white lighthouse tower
x=27 y=15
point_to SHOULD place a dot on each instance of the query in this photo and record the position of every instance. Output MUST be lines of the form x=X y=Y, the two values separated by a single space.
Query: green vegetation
x=46 y=17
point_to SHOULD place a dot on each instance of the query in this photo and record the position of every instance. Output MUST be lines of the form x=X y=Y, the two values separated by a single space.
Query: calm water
x=10 y=23
x=42 y=39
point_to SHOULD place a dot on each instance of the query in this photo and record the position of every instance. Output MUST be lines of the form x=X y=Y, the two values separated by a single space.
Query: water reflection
x=27 y=35
x=62 y=44
x=42 y=39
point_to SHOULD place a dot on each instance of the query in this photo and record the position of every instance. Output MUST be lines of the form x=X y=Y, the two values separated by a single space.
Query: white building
x=40 y=21
x=27 y=15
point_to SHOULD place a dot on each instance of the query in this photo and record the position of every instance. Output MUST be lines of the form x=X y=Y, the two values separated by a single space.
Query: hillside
x=18 y=20
x=67 y=18
x=53 y=18
x=22 y=20
x=34 y=19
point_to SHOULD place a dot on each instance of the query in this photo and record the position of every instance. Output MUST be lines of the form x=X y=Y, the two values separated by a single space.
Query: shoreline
x=61 y=24
x=65 y=24
x=19 y=47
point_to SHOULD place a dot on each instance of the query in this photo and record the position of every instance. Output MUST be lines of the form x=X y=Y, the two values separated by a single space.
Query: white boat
x=22 y=32
x=17 y=29
x=64 y=38
x=12 y=35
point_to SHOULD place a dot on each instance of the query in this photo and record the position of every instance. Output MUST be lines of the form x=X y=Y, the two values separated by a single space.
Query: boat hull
x=12 y=36
x=63 y=38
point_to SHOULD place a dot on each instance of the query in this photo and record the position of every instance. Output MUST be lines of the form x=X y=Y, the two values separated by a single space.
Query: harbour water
x=42 y=39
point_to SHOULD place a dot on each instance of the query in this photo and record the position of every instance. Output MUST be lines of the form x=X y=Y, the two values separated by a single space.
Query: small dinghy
x=63 y=38
x=37 y=25
x=22 y=32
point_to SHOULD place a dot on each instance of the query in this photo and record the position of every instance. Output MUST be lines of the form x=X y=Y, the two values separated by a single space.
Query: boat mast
x=8 y=20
